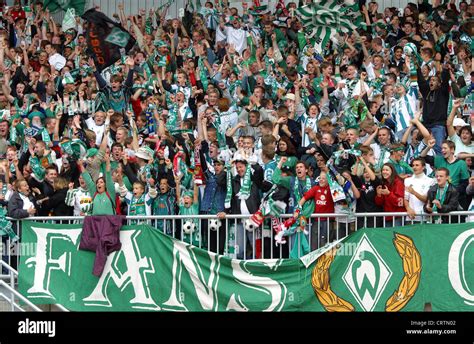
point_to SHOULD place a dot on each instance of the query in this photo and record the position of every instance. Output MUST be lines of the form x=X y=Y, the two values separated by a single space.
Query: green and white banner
x=389 y=269
x=321 y=19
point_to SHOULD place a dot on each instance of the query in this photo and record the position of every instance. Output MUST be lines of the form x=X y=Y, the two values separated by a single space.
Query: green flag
x=324 y=18
x=69 y=21
x=63 y=5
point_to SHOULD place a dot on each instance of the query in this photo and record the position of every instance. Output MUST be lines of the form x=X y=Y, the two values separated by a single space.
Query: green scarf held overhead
x=338 y=154
x=220 y=135
x=37 y=169
x=66 y=146
x=301 y=40
x=251 y=45
x=355 y=113
x=228 y=195
x=6 y=227
x=244 y=192
x=147 y=70
x=180 y=131
x=149 y=26
x=100 y=102
x=203 y=74
x=337 y=192
x=172 y=121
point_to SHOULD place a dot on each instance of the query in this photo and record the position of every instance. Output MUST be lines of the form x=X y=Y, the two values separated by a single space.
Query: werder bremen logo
x=118 y=37
x=367 y=275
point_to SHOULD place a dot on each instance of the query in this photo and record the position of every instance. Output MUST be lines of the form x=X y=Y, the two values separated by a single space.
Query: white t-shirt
x=460 y=146
x=97 y=129
x=57 y=61
x=27 y=204
x=420 y=184
x=237 y=37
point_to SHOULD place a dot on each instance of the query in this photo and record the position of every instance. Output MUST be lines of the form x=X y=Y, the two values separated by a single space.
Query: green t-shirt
x=291 y=162
x=102 y=204
x=457 y=170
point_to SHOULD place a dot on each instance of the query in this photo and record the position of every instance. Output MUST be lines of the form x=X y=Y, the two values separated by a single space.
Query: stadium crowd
x=217 y=110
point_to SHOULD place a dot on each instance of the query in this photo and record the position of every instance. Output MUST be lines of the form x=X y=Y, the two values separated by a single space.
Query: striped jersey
x=81 y=200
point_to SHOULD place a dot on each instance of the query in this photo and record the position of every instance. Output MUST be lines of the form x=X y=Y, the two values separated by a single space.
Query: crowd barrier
x=233 y=240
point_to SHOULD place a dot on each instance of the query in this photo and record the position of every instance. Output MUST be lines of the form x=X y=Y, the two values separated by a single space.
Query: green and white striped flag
x=321 y=19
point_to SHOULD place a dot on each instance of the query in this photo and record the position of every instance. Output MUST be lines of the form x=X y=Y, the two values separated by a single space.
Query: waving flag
x=63 y=5
x=323 y=18
x=106 y=39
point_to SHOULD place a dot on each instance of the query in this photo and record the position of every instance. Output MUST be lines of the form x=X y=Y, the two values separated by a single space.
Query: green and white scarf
x=296 y=188
x=441 y=196
x=244 y=192
x=379 y=164
x=203 y=74
x=6 y=227
x=338 y=154
x=172 y=121
x=228 y=195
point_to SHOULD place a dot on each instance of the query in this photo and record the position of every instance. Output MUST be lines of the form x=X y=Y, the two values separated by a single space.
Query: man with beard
x=435 y=94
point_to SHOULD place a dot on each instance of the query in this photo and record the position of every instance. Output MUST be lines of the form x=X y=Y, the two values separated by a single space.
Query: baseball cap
x=459 y=122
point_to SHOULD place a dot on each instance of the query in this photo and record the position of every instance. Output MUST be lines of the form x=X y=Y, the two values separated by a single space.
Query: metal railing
x=231 y=239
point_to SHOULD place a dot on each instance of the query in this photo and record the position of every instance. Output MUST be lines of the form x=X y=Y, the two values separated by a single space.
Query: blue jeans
x=439 y=133
x=319 y=233
x=241 y=237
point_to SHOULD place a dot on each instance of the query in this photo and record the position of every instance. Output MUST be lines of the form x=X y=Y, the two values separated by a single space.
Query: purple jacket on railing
x=101 y=234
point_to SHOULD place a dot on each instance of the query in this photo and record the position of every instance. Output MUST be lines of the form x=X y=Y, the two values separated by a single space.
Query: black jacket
x=451 y=200
x=253 y=202
x=56 y=204
x=15 y=206
x=435 y=103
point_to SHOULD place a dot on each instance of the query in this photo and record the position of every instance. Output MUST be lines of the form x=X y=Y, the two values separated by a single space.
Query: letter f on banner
x=45 y=263
x=135 y=275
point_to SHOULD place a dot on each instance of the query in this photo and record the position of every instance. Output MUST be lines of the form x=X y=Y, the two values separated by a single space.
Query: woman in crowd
x=390 y=195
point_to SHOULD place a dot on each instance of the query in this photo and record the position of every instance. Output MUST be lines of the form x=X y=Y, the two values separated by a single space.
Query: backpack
x=118 y=207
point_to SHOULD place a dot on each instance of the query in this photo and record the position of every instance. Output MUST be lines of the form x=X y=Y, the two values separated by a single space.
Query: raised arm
x=450 y=120
x=369 y=140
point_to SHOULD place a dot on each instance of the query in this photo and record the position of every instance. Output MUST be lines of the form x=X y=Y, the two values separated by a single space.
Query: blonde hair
x=60 y=183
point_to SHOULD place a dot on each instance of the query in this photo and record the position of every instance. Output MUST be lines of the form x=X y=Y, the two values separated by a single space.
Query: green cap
x=161 y=43
x=188 y=193
x=35 y=114
x=91 y=152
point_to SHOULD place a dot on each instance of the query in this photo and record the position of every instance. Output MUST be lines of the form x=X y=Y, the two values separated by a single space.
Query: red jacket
x=393 y=202
x=323 y=203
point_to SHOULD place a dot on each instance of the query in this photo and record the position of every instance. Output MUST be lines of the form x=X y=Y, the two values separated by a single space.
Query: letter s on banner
x=456 y=269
